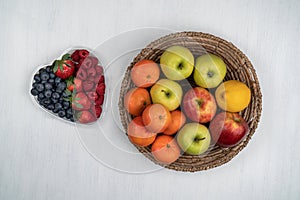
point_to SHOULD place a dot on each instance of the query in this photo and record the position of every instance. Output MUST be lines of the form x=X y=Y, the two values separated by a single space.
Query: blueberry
x=48 y=68
x=57 y=80
x=44 y=76
x=68 y=116
x=37 y=78
x=61 y=86
x=34 y=84
x=70 y=111
x=46 y=101
x=55 y=95
x=55 y=110
x=42 y=70
x=58 y=106
x=41 y=101
x=65 y=94
x=51 y=80
x=54 y=100
x=48 y=86
x=50 y=106
x=48 y=93
x=72 y=119
x=66 y=105
x=34 y=92
x=58 y=91
x=44 y=81
x=61 y=113
x=52 y=75
x=41 y=96
x=40 y=87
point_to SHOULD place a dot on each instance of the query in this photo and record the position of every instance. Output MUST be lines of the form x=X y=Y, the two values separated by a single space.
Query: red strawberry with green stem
x=64 y=68
x=81 y=102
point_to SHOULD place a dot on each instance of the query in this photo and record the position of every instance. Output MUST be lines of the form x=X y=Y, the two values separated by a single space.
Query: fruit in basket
x=194 y=138
x=156 y=118
x=136 y=100
x=167 y=93
x=178 y=119
x=177 y=62
x=145 y=73
x=233 y=96
x=199 y=105
x=228 y=129
x=165 y=149
x=138 y=134
x=210 y=70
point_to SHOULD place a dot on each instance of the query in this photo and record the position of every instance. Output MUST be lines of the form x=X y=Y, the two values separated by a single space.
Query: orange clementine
x=136 y=100
x=178 y=119
x=138 y=134
x=165 y=149
x=156 y=118
x=145 y=73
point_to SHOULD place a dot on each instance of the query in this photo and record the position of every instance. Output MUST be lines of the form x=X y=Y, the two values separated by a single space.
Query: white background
x=42 y=157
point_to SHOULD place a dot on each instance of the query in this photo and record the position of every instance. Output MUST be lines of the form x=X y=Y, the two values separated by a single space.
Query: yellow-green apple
x=167 y=93
x=228 y=129
x=177 y=62
x=199 y=105
x=194 y=138
x=210 y=70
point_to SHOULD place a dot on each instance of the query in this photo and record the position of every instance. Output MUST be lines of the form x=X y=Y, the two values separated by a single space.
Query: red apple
x=228 y=129
x=199 y=105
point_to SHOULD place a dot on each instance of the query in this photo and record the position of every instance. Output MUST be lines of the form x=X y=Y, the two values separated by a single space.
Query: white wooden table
x=43 y=158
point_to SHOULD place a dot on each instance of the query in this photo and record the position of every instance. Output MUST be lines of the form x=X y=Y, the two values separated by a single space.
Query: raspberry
x=92 y=95
x=75 y=56
x=81 y=74
x=101 y=80
x=94 y=60
x=87 y=63
x=99 y=69
x=98 y=111
x=100 y=100
x=88 y=85
x=83 y=53
x=91 y=72
x=101 y=89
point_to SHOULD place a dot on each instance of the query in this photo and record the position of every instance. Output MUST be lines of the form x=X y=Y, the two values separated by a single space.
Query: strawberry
x=64 y=68
x=83 y=53
x=101 y=89
x=81 y=74
x=99 y=69
x=78 y=84
x=85 y=117
x=81 y=102
x=88 y=85
x=91 y=72
x=70 y=83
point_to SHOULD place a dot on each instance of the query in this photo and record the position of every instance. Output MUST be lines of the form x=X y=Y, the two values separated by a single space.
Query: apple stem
x=210 y=74
x=199 y=139
x=167 y=93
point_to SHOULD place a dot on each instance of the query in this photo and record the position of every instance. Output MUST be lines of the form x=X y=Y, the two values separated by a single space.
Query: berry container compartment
x=46 y=86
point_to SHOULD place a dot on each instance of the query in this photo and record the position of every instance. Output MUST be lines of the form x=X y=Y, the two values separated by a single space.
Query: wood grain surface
x=43 y=158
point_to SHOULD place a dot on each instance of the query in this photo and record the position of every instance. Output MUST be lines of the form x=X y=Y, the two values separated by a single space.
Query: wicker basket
x=238 y=68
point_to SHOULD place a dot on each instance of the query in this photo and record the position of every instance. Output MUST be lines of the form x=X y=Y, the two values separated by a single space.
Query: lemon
x=233 y=96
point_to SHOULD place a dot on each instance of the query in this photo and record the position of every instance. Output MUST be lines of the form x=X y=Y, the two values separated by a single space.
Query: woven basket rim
x=188 y=163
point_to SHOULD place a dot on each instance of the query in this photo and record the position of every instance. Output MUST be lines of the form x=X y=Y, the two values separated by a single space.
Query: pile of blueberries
x=51 y=93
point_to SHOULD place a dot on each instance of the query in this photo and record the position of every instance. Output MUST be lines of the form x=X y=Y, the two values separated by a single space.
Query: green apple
x=166 y=92
x=177 y=63
x=194 y=138
x=210 y=70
